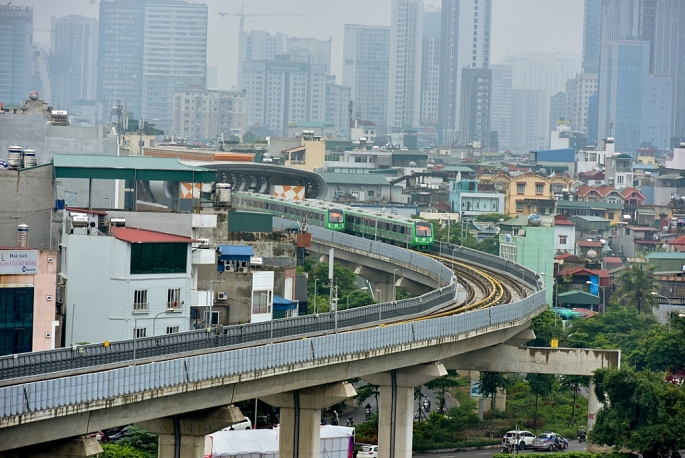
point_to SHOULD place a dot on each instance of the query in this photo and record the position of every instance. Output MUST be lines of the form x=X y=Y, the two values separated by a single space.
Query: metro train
x=396 y=229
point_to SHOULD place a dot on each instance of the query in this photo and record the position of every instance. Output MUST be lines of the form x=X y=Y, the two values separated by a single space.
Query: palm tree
x=635 y=287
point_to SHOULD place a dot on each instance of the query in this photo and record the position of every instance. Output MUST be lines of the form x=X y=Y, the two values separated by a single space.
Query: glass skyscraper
x=16 y=53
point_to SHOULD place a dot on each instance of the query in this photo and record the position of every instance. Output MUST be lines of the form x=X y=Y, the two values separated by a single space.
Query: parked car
x=368 y=451
x=115 y=433
x=547 y=441
x=520 y=438
x=243 y=425
x=98 y=435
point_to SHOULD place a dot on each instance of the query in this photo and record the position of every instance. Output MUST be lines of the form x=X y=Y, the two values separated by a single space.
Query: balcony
x=141 y=307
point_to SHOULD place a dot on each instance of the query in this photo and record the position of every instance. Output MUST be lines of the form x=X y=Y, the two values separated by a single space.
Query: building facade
x=258 y=45
x=406 y=47
x=529 y=128
x=73 y=60
x=338 y=99
x=280 y=92
x=430 y=65
x=366 y=70
x=500 y=105
x=204 y=115
x=476 y=92
x=465 y=42
x=578 y=93
x=591 y=35
x=16 y=36
x=310 y=50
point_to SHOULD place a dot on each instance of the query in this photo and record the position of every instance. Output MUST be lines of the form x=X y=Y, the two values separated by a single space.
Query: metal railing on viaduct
x=105 y=372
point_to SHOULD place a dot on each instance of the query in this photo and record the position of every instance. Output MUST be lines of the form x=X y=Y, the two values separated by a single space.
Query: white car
x=245 y=424
x=368 y=451
x=524 y=439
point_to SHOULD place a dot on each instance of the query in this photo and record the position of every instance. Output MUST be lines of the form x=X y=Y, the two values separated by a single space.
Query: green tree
x=140 y=439
x=249 y=137
x=123 y=451
x=490 y=383
x=440 y=386
x=541 y=385
x=636 y=285
x=545 y=328
x=367 y=391
x=573 y=383
x=639 y=412
x=491 y=217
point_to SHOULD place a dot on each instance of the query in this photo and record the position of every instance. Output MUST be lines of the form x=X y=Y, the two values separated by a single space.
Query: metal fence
x=75 y=390
x=261 y=350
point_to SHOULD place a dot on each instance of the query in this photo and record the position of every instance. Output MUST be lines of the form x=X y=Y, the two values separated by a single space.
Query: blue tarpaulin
x=235 y=252
x=281 y=303
x=594 y=282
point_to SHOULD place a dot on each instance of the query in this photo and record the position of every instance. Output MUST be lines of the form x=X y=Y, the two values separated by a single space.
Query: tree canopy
x=636 y=285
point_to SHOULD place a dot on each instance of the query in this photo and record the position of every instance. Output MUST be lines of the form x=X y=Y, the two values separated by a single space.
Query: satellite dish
x=412 y=164
x=592 y=254
x=505 y=170
x=542 y=171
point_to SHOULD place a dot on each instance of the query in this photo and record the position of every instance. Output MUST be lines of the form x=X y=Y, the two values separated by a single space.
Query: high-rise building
x=174 y=56
x=16 y=53
x=258 y=45
x=204 y=115
x=542 y=71
x=464 y=42
x=338 y=107
x=120 y=54
x=430 y=66
x=474 y=119
x=669 y=59
x=279 y=92
x=406 y=45
x=310 y=50
x=148 y=51
x=528 y=129
x=366 y=70
x=591 y=35
x=500 y=106
x=73 y=60
x=633 y=106
x=578 y=93
x=40 y=77
x=557 y=109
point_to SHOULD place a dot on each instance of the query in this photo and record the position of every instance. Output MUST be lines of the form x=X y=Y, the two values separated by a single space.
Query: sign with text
x=475 y=389
x=18 y=262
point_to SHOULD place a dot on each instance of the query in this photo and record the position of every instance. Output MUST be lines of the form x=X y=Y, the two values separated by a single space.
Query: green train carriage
x=326 y=214
x=398 y=230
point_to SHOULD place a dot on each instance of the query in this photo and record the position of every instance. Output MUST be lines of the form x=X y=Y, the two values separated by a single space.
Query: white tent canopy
x=263 y=443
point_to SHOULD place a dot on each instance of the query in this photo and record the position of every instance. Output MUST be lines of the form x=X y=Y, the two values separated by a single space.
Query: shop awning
x=282 y=304
x=235 y=252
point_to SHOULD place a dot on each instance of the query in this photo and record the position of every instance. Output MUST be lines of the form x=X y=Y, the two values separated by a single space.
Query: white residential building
x=529 y=130
x=500 y=104
x=338 y=107
x=280 y=92
x=208 y=114
x=430 y=66
x=310 y=50
x=406 y=44
x=366 y=70
x=578 y=92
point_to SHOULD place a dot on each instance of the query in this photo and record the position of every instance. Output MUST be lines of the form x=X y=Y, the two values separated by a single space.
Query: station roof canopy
x=578 y=297
x=129 y=168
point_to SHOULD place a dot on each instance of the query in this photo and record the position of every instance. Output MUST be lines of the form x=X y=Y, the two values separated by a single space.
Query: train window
x=335 y=216
x=402 y=230
x=423 y=230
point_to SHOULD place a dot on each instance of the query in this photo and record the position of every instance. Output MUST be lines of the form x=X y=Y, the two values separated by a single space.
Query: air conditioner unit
x=229 y=267
x=222 y=296
x=242 y=269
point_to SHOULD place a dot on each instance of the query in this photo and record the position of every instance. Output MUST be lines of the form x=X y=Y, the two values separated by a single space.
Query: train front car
x=422 y=238
x=335 y=219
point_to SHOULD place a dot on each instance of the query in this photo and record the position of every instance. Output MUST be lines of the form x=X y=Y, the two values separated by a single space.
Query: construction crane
x=242 y=16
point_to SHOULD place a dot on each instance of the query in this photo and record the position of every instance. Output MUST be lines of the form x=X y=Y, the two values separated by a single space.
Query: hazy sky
x=517 y=25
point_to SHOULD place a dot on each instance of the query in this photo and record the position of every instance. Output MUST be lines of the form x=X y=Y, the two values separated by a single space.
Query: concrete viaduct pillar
x=67 y=448
x=190 y=429
x=593 y=404
x=300 y=422
x=396 y=416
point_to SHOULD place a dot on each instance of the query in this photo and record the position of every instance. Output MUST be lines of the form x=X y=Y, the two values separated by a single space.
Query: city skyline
x=511 y=26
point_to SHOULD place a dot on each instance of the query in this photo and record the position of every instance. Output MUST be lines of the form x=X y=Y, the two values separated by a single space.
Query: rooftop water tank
x=14 y=157
x=23 y=235
x=30 y=158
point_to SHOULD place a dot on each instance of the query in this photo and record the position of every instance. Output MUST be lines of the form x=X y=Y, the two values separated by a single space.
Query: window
x=172 y=329
x=158 y=258
x=174 y=298
x=16 y=316
x=539 y=188
x=370 y=193
x=139 y=333
x=215 y=317
x=261 y=302
x=140 y=300
x=519 y=206
x=520 y=187
x=562 y=240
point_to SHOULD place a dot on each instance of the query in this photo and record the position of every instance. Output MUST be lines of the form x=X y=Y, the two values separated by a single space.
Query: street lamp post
x=351 y=293
x=604 y=295
x=155 y=319
x=135 y=327
x=316 y=309
x=655 y=294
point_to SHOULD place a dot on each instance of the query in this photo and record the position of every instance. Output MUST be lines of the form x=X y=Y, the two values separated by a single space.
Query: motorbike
x=350 y=422
x=507 y=448
x=367 y=413
x=582 y=438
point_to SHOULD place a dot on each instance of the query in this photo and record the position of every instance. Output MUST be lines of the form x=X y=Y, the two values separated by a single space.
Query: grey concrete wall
x=171 y=223
x=27 y=197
